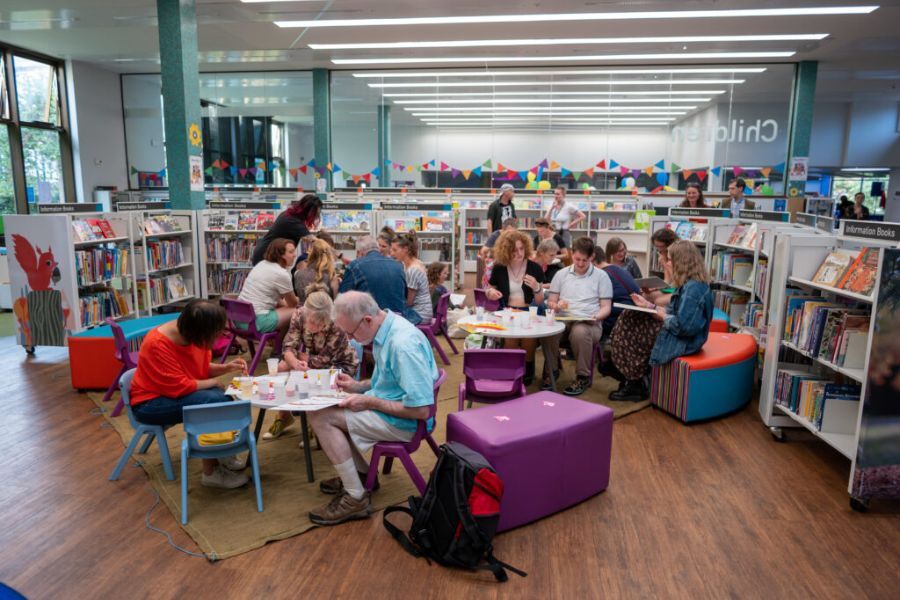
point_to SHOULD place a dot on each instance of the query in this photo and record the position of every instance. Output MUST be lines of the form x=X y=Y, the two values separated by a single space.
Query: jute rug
x=225 y=523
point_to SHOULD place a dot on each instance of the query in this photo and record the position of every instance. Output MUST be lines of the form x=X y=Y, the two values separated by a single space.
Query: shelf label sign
x=50 y=209
x=415 y=206
x=765 y=215
x=872 y=230
x=805 y=219
x=230 y=205
x=346 y=206
x=677 y=211
x=825 y=224
x=126 y=206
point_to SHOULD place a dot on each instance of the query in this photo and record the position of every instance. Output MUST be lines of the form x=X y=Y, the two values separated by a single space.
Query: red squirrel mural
x=42 y=271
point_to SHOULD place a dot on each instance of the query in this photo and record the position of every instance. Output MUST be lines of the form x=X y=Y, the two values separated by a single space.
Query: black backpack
x=454 y=523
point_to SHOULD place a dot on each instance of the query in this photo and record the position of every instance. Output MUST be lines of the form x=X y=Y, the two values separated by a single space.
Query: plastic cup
x=532 y=312
x=479 y=312
x=272 y=364
x=551 y=316
x=280 y=391
x=245 y=391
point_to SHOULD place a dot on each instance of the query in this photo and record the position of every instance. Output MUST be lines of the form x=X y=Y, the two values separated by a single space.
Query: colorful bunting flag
x=233 y=169
x=293 y=173
x=444 y=166
x=367 y=177
x=431 y=162
x=554 y=165
x=477 y=171
x=765 y=171
x=675 y=168
x=466 y=174
x=779 y=168
x=737 y=171
x=355 y=178
x=488 y=164
x=612 y=164
x=622 y=170
x=543 y=164
x=701 y=175
x=455 y=173
x=523 y=175
x=501 y=168
x=376 y=172
x=602 y=165
x=564 y=172
x=243 y=172
x=253 y=170
x=661 y=165
x=303 y=168
x=410 y=168
x=208 y=170
x=420 y=168
x=716 y=171
x=337 y=169
x=134 y=171
x=649 y=170
x=686 y=173
x=330 y=167
x=589 y=172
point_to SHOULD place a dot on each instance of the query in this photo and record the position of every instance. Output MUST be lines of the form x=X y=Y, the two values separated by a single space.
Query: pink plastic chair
x=124 y=355
x=242 y=324
x=403 y=450
x=492 y=376
x=438 y=326
x=482 y=300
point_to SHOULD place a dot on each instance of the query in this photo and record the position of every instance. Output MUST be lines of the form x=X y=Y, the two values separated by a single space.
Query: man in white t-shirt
x=581 y=290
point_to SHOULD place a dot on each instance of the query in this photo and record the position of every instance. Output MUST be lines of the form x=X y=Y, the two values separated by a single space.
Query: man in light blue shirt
x=735 y=201
x=386 y=408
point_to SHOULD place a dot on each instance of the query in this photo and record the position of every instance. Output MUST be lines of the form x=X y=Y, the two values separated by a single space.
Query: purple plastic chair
x=482 y=300
x=403 y=450
x=492 y=376
x=124 y=355
x=242 y=324
x=438 y=326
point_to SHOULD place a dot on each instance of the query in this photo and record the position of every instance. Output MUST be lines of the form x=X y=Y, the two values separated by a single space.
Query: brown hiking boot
x=335 y=486
x=341 y=508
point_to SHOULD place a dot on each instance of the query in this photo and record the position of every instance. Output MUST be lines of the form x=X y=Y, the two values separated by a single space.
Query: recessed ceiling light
x=555 y=72
x=604 y=16
x=548 y=101
x=564 y=58
x=550 y=93
x=681 y=39
x=559 y=83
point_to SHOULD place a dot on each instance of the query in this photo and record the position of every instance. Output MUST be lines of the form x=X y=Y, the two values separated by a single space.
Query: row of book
x=731 y=302
x=754 y=315
x=762 y=278
x=226 y=282
x=160 y=290
x=99 y=265
x=735 y=268
x=431 y=222
x=88 y=230
x=611 y=222
x=849 y=270
x=99 y=306
x=164 y=254
x=346 y=220
x=245 y=220
x=161 y=224
x=475 y=237
x=615 y=205
x=688 y=230
x=230 y=248
x=833 y=332
x=829 y=406
x=745 y=236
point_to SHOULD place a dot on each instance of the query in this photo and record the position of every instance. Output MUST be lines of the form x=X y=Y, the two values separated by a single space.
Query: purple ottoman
x=551 y=451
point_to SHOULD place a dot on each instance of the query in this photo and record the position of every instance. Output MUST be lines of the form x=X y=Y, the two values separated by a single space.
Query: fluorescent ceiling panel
x=680 y=39
x=576 y=57
x=421 y=110
x=550 y=113
x=559 y=83
x=549 y=101
x=555 y=72
x=596 y=16
x=549 y=93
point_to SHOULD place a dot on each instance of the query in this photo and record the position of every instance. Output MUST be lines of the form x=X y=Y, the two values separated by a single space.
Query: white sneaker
x=225 y=479
x=233 y=463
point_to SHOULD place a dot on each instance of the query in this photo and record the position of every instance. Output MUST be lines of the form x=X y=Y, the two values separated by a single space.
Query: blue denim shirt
x=380 y=276
x=686 y=325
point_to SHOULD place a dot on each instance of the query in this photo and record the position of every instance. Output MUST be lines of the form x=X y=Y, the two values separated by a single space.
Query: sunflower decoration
x=194 y=134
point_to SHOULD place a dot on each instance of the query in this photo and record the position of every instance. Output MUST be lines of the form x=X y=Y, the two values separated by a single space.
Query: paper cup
x=272 y=364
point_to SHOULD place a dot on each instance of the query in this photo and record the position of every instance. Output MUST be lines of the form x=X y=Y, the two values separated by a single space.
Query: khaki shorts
x=367 y=428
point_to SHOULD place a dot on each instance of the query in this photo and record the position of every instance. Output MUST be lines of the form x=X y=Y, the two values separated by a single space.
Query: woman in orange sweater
x=175 y=370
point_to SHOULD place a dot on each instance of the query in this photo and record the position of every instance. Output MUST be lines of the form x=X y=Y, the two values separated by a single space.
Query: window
x=43 y=165
x=37 y=91
x=7 y=193
x=4 y=101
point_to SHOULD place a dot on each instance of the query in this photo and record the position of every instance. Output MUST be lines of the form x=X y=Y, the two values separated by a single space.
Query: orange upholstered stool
x=714 y=382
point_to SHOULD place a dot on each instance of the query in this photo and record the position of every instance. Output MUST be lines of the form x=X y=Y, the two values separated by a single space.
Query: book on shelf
x=834 y=266
x=82 y=231
x=734 y=238
x=165 y=253
x=99 y=265
x=230 y=223
x=265 y=220
x=215 y=222
x=403 y=224
x=246 y=220
x=750 y=237
x=435 y=223
x=96 y=307
x=160 y=224
x=859 y=277
x=175 y=286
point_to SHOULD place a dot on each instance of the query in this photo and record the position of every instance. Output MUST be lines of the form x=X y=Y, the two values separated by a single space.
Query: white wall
x=98 y=134
x=855 y=134
x=143 y=111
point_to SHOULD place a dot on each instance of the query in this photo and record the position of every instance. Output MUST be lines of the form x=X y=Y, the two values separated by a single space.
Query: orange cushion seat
x=722 y=349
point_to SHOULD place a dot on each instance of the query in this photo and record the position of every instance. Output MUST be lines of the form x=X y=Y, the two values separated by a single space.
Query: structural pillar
x=384 y=144
x=322 y=127
x=802 y=100
x=181 y=100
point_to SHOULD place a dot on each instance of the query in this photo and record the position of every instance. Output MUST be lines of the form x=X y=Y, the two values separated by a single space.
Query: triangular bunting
x=622 y=170
x=523 y=175
x=554 y=164
x=576 y=175
x=223 y=164
x=661 y=165
x=716 y=171
x=243 y=172
x=293 y=173
x=649 y=170
x=765 y=171
x=208 y=170
x=410 y=168
x=564 y=172
x=431 y=162
x=602 y=165
x=686 y=173
x=501 y=168
x=420 y=168
x=216 y=163
x=367 y=177
x=737 y=171
x=455 y=173
x=303 y=169
x=444 y=166
x=388 y=162
x=355 y=178
x=466 y=174
x=675 y=168
x=134 y=171
x=488 y=164
x=337 y=169
x=424 y=165
x=311 y=163
x=233 y=169
x=476 y=171
x=701 y=175
x=253 y=170
x=636 y=173
x=376 y=172
x=589 y=172
x=543 y=164
x=612 y=164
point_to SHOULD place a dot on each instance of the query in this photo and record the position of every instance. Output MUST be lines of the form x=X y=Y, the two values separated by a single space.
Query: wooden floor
x=714 y=510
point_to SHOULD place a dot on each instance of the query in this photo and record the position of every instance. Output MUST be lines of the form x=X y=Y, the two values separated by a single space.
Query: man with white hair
x=375 y=274
x=385 y=408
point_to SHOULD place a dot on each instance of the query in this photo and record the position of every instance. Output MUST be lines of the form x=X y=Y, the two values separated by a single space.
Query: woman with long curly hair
x=318 y=269
x=641 y=341
x=516 y=283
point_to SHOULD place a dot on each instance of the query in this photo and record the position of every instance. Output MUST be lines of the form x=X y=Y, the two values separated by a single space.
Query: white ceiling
x=860 y=58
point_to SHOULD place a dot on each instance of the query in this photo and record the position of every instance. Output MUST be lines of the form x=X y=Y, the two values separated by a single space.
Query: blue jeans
x=168 y=411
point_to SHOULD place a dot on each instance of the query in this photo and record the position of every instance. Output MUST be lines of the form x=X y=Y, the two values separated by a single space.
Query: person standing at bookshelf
x=564 y=215
x=501 y=209
x=735 y=201
x=693 y=197
x=269 y=287
x=293 y=224
x=640 y=341
x=405 y=250
x=858 y=211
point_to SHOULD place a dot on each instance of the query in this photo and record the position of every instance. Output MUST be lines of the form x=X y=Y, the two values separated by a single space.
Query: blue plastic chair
x=216 y=418
x=141 y=430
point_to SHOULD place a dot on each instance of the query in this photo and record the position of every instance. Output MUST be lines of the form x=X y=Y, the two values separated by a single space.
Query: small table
x=542 y=327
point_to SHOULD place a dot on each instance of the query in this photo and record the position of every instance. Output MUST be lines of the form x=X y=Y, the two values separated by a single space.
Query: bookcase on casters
x=166 y=265
x=821 y=322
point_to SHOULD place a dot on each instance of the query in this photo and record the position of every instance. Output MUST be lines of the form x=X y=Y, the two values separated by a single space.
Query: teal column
x=802 y=101
x=322 y=122
x=181 y=98
x=384 y=144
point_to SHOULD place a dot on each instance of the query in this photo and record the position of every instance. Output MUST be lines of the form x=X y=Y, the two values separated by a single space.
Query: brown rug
x=225 y=523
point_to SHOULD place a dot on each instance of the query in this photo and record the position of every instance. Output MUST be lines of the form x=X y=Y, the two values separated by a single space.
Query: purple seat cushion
x=551 y=451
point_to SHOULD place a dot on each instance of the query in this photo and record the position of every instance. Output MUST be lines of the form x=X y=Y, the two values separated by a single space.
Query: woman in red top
x=175 y=370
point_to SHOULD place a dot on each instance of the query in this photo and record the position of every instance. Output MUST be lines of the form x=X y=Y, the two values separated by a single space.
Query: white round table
x=540 y=328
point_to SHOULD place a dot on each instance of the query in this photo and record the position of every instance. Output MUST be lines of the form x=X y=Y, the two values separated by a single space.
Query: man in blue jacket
x=378 y=275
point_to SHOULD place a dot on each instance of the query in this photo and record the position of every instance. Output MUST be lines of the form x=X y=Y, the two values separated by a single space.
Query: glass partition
x=605 y=128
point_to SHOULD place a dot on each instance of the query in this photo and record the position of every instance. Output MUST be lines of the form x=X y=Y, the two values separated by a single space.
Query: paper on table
x=458 y=299
x=313 y=403
x=632 y=307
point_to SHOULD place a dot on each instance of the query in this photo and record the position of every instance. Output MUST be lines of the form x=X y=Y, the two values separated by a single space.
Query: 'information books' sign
x=699 y=212
x=52 y=209
x=873 y=230
x=765 y=215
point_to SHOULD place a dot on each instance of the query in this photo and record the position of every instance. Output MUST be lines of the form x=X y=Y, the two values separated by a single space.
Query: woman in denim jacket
x=682 y=326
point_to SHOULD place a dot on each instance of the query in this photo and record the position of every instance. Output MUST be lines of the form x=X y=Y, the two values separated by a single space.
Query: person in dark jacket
x=378 y=275
x=293 y=224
